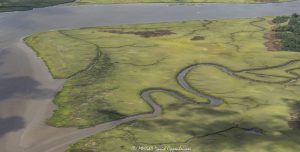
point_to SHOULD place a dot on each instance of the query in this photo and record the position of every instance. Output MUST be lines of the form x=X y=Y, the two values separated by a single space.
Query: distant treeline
x=288 y=31
x=22 y=5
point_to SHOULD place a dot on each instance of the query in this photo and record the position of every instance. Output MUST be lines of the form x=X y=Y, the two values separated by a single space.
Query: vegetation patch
x=288 y=31
x=146 y=34
x=23 y=5
x=280 y=19
x=197 y=38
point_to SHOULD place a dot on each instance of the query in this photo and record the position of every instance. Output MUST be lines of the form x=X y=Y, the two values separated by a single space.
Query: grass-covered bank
x=23 y=5
x=109 y=66
x=176 y=1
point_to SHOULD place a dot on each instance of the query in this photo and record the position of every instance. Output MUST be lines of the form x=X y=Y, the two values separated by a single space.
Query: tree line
x=288 y=31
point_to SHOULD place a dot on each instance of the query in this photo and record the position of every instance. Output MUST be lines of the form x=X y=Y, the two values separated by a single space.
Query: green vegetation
x=280 y=19
x=288 y=31
x=175 y=1
x=22 y=5
x=258 y=96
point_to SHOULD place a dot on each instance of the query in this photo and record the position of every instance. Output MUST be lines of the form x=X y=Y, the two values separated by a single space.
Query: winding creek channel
x=27 y=88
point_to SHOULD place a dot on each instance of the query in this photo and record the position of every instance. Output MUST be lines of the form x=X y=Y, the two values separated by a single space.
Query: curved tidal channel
x=56 y=144
x=27 y=88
